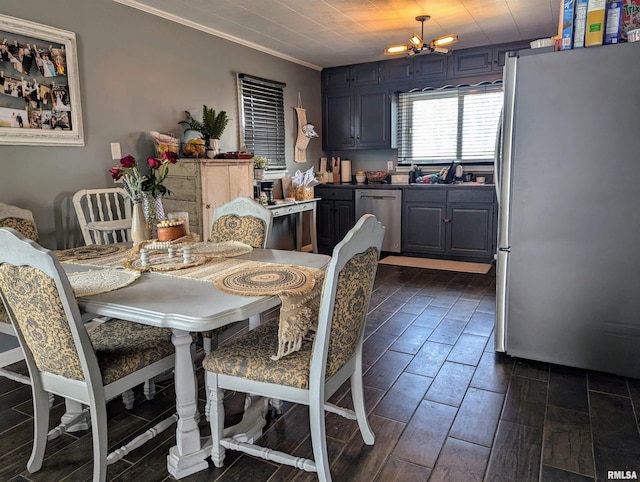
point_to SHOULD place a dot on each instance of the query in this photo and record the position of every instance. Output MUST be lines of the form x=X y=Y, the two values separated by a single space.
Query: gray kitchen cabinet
x=420 y=68
x=351 y=76
x=482 y=60
x=335 y=214
x=450 y=222
x=356 y=118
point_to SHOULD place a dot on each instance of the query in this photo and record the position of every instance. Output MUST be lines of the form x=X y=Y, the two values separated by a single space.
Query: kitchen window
x=438 y=126
x=262 y=114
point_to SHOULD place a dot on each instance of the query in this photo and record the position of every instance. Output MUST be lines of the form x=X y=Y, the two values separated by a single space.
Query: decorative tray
x=235 y=155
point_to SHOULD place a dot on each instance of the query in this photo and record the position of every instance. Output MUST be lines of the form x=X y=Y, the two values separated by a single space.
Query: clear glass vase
x=153 y=210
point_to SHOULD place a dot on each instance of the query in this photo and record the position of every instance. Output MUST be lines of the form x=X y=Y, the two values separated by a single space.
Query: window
x=262 y=113
x=449 y=124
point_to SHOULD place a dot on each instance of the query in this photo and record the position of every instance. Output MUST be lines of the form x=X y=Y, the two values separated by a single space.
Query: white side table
x=288 y=208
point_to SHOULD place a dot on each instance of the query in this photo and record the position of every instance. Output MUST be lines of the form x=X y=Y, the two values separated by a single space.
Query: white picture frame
x=39 y=85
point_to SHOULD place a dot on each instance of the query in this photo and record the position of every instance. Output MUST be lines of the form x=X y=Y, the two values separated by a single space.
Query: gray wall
x=138 y=73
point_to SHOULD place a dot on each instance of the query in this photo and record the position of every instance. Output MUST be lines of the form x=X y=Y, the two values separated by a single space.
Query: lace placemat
x=89 y=252
x=268 y=280
x=225 y=249
x=87 y=283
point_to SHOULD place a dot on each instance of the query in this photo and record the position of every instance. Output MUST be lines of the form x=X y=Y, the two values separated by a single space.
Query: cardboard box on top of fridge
x=580 y=23
x=565 y=29
x=594 y=34
x=613 y=23
x=630 y=17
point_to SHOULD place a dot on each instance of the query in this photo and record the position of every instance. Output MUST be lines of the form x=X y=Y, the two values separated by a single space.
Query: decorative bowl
x=376 y=176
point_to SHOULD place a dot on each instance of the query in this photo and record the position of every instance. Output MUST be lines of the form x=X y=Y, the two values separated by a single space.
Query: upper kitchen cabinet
x=356 y=118
x=418 y=68
x=351 y=76
x=482 y=60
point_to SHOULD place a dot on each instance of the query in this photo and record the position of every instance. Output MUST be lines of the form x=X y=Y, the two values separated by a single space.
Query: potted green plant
x=210 y=128
x=260 y=163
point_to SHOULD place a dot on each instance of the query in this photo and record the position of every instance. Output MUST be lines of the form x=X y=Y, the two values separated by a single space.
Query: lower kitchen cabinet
x=449 y=222
x=335 y=215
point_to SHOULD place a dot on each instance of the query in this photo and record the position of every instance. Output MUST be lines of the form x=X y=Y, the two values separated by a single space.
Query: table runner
x=298 y=313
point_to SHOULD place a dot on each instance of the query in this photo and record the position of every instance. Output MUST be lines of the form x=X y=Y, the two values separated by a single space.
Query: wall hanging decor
x=39 y=85
x=306 y=131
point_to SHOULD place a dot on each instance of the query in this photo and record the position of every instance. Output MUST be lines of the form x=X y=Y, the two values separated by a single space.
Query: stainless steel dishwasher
x=386 y=205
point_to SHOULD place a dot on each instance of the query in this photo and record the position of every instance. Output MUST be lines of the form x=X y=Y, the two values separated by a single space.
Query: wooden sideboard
x=198 y=186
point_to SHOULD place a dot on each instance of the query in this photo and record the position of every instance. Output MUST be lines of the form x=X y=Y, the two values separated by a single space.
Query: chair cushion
x=123 y=347
x=250 y=357
x=244 y=229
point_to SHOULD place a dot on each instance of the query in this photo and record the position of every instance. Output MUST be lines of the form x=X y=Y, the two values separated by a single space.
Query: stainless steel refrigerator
x=568 y=185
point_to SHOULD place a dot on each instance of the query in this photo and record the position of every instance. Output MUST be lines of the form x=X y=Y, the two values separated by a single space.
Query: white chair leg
x=40 y=426
x=149 y=389
x=319 y=440
x=128 y=398
x=216 y=397
x=100 y=440
x=357 y=394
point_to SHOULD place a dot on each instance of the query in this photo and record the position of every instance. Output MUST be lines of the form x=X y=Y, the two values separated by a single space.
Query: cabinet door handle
x=446 y=220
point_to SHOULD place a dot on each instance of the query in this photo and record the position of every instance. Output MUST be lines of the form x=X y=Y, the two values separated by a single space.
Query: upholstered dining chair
x=104 y=215
x=244 y=220
x=311 y=375
x=87 y=367
x=22 y=221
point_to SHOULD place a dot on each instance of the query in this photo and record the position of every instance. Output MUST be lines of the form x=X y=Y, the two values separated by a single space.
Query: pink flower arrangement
x=136 y=184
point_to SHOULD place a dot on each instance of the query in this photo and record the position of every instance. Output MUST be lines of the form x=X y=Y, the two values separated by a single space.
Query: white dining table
x=185 y=306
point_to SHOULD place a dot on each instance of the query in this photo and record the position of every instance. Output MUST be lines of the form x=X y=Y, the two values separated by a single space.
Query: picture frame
x=39 y=85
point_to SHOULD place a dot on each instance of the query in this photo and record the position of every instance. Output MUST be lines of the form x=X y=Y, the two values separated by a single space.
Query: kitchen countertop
x=378 y=185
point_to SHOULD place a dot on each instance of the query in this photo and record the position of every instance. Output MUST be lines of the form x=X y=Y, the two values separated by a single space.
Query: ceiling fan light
x=446 y=40
x=396 y=49
x=416 y=40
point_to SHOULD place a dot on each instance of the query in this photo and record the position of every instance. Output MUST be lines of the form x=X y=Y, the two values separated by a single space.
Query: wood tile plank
x=468 y=349
x=450 y=384
x=359 y=462
x=411 y=340
x=399 y=470
x=567 y=441
x=428 y=361
x=493 y=372
x=477 y=419
x=403 y=397
x=568 y=388
x=447 y=331
x=460 y=460
x=516 y=453
x=386 y=370
x=425 y=434
x=526 y=402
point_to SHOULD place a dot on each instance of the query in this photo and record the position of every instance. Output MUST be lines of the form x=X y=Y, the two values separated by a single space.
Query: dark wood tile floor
x=443 y=406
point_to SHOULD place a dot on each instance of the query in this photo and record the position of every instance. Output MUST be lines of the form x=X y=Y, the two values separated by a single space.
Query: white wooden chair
x=64 y=358
x=104 y=215
x=311 y=375
x=244 y=220
x=22 y=221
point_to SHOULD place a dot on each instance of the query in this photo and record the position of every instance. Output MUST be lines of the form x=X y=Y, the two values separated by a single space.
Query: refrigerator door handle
x=498 y=159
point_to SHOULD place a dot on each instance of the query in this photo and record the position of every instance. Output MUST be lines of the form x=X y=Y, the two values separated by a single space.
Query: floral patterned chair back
x=313 y=374
x=63 y=357
x=244 y=220
x=104 y=215
x=22 y=221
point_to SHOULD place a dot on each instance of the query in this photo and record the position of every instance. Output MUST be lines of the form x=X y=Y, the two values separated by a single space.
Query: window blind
x=262 y=113
x=449 y=124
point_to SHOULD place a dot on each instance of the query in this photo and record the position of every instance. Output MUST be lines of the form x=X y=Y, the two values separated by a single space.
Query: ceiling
x=328 y=33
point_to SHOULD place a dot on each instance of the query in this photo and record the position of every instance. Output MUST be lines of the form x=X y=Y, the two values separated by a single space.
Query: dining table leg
x=188 y=455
